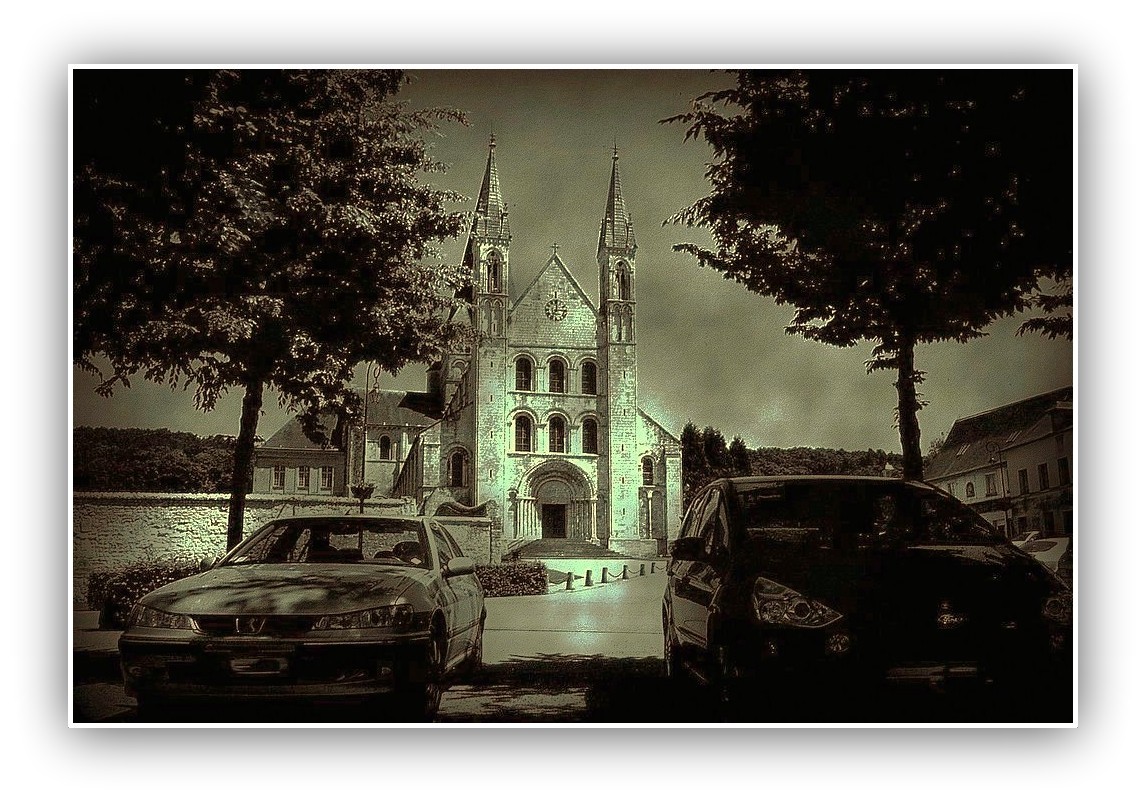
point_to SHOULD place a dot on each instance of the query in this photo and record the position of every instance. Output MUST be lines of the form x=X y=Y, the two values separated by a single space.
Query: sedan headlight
x=776 y=604
x=396 y=615
x=142 y=616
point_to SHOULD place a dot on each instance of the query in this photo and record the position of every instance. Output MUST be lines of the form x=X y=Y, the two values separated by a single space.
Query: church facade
x=534 y=419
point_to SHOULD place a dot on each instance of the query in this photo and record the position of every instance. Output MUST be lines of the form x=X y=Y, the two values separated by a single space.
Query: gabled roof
x=657 y=425
x=976 y=441
x=383 y=407
x=556 y=260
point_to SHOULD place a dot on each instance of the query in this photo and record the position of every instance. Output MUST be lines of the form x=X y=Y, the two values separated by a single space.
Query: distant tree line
x=707 y=455
x=137 y=460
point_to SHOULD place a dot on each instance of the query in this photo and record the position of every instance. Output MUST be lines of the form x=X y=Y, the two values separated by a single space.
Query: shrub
x=510 y=579
x=113 y=592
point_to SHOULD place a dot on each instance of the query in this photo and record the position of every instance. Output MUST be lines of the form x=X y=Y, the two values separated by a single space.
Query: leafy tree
x=245 y=229
x=898 y=207
x=738 y=457
x=715 y=449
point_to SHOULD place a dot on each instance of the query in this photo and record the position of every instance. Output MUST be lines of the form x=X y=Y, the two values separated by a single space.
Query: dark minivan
x=838 y=579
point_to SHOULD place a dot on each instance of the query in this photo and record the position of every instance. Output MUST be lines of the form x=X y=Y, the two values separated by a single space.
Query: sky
x=709 y=351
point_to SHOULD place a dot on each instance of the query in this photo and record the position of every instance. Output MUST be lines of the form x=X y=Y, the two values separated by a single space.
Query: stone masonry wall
x=116 y=529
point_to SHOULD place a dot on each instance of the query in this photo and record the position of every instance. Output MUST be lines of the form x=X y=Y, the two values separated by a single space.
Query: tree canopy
x=897 y=207
x=254 y=228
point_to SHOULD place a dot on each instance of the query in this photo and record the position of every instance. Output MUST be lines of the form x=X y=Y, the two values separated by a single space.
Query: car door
x=690 y=577
x=463 y=593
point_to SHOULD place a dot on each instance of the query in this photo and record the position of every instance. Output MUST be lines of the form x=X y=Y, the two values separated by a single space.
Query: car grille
x=279 y=625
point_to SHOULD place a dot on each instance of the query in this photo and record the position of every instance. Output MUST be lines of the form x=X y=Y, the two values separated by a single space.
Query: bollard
x=588 y=577
x=604 y=574
x=625 y=572
x=642 y=571
x=568 y=581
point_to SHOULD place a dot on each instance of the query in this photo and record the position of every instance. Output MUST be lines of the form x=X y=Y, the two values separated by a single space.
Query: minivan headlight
x=776 y=604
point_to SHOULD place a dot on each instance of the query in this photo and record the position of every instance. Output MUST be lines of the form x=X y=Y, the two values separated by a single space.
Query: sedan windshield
x=851 y=516
x=392 y=541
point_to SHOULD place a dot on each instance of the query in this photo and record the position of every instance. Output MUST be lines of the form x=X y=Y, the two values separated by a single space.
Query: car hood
x=286 y=589
x=882 y=585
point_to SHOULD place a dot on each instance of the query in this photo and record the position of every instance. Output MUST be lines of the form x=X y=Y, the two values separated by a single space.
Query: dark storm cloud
x=709 y=350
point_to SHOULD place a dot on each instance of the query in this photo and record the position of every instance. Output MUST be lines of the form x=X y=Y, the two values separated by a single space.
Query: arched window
x=384 y=448
x=588 y=378
x=556 y=435
x=628 y=337
x=498 y=315
x=458 y=469
x=523 y=434
x=970 y=489
x=647 y=471
x=524 y=375
x=556 y=377
x=624 y=287
x=493 y=271
x=589 y=436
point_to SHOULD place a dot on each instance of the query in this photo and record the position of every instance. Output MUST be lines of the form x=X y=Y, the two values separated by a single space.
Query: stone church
x=534 y=421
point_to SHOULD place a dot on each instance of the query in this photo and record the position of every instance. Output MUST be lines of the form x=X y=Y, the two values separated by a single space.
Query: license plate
x=259 y=665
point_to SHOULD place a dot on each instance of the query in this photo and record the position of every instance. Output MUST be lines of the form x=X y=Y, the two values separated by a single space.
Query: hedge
x=114 y=592
x=510 y=579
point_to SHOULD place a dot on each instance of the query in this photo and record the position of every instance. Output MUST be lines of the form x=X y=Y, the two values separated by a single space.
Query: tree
x=738 y=457
x=256 y=228
x=898 y=207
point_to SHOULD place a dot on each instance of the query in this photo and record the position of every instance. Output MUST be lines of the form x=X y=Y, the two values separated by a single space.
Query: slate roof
x=972 y=441
x=383 y=407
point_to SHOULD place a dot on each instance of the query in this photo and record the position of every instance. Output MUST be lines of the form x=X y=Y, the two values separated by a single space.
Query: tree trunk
x=244 y=458
x=908 y=408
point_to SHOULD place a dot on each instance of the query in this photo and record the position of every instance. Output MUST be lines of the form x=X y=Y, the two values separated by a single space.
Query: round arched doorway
x=555 y=501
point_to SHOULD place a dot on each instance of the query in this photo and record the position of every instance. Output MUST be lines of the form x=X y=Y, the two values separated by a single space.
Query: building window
x=556 y=435
x=493 y=268
x=523 y=434
x=647 y=471
x=624 y=284
x=384 y=448
x=1044 y=477
x=589 y=436
x=278 y=478
x=588 y=378
x=1021 y=524
x=304 y=478
x=1024 y=484
x=458 y=469
x=326 y=478
x=970 y=489
x=992 y=484
x=556 y=377
x=1063 y=472
x=1048 y=522
x=524 y=375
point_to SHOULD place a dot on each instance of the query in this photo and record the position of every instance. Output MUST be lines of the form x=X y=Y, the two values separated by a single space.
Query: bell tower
x=617 y=356
x=487 y=256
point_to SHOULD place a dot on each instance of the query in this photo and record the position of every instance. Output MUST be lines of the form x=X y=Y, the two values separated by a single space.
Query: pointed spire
x=616 y=227
x=491 y=219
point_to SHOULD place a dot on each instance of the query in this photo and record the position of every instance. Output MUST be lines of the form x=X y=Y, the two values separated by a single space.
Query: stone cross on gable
x=555 y=246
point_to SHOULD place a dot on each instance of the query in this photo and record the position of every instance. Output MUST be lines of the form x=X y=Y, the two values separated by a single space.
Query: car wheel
x=419 y=700
x=725 y=684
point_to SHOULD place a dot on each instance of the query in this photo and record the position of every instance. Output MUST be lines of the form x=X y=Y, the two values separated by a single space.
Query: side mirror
x=206 y=563
x=462 y=565
x=687 y=549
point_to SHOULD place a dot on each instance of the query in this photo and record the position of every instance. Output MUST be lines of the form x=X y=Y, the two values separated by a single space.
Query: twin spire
x=491 y=218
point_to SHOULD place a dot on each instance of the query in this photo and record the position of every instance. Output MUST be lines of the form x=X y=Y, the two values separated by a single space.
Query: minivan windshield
x=860 y=515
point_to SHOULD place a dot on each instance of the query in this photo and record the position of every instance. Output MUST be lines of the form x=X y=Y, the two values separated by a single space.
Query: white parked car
x=1048 y=551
